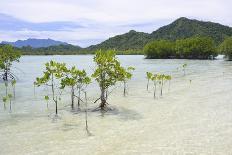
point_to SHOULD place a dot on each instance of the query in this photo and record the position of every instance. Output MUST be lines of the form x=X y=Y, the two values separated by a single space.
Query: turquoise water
x=193 y=118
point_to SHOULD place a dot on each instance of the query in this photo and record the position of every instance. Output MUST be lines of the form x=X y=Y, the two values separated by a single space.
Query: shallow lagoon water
x=190 y=118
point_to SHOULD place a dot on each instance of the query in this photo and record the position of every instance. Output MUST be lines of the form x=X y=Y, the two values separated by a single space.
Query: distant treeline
x=69 y=50
x=53 y=50
x=198 y=47
x=190 y=48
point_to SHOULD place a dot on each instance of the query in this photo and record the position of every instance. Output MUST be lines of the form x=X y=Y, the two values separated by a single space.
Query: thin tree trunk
x=147 y=84
x=155 y=90
x=6 y=85
x=124 y=91
x=86 y=114
x=34 y=89
x=79 y=96
x=5 y=78
x=10 y=105
x=103 y=92
x=106 y=94
x=103 y=99
x=53 y=95
x=72 y=97
x=161 y=92
x=47 y=104
x=14 y=91
x=56 y=106
x=6 y=91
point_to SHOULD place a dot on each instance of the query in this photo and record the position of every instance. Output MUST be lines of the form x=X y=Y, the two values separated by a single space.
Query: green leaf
x=10 y=96
x=46 y=98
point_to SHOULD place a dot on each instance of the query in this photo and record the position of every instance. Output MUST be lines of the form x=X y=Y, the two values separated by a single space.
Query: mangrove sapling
x=154 y=78
x=46 y=99
x=126 y=75
x=51 y=78
x=70 y=80
x=149 y=76
x=10 y=99
x=184 y=68
x=107 y=73
x=169 y=78
x=162 y=79
x=4 y=99
x=8 y=55
x=13 y=83
x=34 y=85
x=83 y=81
x=78 y=78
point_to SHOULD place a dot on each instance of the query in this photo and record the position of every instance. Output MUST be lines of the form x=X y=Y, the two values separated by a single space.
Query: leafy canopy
x=226 y=48
x=108 y=69
x=54 y=70
x=7 y=56
x=75 y=77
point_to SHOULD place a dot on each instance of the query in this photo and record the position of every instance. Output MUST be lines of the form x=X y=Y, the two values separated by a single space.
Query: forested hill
x=130 y=40
x=179 y=29
x=185 y=28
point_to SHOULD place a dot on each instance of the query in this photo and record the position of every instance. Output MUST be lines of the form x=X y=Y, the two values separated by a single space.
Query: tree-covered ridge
x=180 y=29
x=185 y=28
x=131 y=40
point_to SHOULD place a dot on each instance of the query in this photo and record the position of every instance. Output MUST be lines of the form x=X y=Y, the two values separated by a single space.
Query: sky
x=87 y=22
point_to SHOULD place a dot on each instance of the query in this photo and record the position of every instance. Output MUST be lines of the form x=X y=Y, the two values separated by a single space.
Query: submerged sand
x=190 y=118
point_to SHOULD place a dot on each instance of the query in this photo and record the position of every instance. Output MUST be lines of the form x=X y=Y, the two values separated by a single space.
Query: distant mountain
x=179 y=29
x=35 y=43
x=61 y=49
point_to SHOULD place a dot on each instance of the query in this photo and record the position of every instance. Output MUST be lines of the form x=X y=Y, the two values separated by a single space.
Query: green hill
x=131 y=40
x=179 y=29
x=185 y=28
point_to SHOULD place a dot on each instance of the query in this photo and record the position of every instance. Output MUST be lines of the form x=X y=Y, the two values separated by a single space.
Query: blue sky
x=86 y=22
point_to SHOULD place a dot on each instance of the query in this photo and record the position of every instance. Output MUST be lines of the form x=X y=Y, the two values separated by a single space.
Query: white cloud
x=81 y=36
x=114 y=11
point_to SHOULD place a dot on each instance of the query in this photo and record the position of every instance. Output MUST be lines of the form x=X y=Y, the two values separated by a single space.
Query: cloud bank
x=86 y=22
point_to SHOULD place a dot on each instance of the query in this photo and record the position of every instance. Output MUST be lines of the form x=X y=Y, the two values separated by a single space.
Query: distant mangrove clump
x=226 y=48
x=190 y=48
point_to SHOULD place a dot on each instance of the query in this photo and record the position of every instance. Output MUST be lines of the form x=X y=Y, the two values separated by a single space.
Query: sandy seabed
x=191 y=118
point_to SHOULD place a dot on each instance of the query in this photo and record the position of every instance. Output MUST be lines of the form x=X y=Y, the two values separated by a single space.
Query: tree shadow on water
x=69 y=126
x=122 y=113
